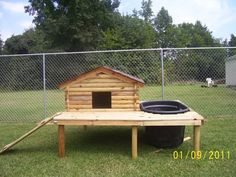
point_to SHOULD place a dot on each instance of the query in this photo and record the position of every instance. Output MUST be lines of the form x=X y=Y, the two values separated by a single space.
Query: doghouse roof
x=103 y=69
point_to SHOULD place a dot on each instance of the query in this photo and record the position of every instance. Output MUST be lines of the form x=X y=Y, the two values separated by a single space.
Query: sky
x=218 y=15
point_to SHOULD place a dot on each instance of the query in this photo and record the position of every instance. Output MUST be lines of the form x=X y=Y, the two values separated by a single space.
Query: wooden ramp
x=41 y=124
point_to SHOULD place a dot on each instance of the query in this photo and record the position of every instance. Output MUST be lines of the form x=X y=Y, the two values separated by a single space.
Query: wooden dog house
x=101 y=92
x=102 y=89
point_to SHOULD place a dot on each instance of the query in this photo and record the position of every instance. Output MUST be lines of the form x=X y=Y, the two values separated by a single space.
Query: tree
x=146 y=10
x=15 y=45
x=194 y=35
x=198 y=64
x=135 y=13
x=165 y=30
x=129 y=32
x=73 y=25
x=31 y=41
x=1 y=45
x=162 y=21
x=23 y=72
x=2 y=65
x=203 y=37
x=182 y=35
x=232 y=42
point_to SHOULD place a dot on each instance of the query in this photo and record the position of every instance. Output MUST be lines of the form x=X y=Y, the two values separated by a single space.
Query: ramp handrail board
x=41 y=124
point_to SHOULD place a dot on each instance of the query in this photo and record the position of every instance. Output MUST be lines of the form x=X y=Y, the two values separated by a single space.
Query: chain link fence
x=29 y=92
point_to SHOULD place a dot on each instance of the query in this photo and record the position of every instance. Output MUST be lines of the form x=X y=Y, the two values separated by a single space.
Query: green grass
x=105 y=151
x=28 y=106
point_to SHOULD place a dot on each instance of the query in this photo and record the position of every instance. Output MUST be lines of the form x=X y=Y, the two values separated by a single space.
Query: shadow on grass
x=107 y=140
x=103 y=140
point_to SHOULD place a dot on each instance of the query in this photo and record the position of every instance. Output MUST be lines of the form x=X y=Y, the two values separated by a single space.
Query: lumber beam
x=61 y=141
x=41 y=124
x=196 y=135
x=134 y=142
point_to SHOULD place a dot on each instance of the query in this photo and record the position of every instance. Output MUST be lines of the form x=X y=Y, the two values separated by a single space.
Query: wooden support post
x=61 y=141
x=134 y=142
x=196 y=137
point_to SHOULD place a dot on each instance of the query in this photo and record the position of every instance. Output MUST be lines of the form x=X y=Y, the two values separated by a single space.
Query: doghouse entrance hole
x=101 y=99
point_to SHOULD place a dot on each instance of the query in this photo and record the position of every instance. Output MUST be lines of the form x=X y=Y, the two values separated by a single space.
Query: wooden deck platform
x=132 y=118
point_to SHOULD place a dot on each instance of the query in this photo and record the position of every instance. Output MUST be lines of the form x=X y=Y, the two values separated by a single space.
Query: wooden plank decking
x=131 y=118
x=126 y=116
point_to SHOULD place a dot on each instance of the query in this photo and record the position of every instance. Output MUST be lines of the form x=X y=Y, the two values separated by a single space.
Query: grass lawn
x=105 y=151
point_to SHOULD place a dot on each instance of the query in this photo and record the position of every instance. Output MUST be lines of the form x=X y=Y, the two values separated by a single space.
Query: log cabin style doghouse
x=102 y=89
x=107 y=97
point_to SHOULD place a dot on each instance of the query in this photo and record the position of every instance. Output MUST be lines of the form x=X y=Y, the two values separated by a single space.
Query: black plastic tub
x=164 y=107
x=164 y=136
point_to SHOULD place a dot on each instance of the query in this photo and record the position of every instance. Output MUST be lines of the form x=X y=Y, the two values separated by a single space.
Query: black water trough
x=164 y=136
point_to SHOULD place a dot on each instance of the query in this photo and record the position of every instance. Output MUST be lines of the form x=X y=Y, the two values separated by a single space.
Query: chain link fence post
x=162 y=74
x=44 y=87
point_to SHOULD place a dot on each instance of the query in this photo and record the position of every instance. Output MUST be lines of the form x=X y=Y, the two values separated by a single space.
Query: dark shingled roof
x=107 y=70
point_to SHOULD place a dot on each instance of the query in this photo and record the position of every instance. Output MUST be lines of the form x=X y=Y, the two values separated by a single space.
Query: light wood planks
x=79 y=106
x=196 y=132
x=122 y=106
x=99 y=123
x=124 y=95
x=81 y=102
x=100 y=110
x=80 y=98
x=100 y=84
x=134 y=142
x=101 y=89
x=133 y=119
x=41 y=124
x=130 y=115
x=95 y=80
x=102 y=76
x=67 y=100
x=61 y=141
x=80 y=94
x=122 y=118
x=136 y=98
x=122 y=101
x=103 y=73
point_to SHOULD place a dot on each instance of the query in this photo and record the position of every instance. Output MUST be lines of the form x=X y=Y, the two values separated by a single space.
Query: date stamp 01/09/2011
x=202 y=155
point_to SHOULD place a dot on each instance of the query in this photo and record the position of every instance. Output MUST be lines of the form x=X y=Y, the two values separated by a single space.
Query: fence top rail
x=116 y=51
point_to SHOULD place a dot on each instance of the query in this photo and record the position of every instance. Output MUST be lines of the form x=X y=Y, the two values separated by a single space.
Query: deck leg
x=61 y=141
x=196 y=135
x=134 y=142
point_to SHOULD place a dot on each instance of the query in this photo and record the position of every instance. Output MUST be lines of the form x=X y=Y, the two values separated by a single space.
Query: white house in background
x=230 y=71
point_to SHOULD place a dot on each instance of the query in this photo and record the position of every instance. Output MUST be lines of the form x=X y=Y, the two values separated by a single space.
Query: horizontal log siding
x=123 y=95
